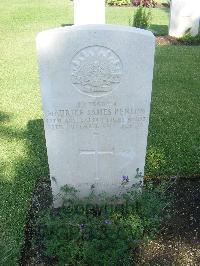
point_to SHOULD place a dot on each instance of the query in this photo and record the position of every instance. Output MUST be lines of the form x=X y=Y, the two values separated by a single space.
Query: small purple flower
x=82 y=226
x=108 y=222
x=125 y=178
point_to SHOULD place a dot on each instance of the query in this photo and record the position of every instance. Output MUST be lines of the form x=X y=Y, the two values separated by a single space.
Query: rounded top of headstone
x=95 y=27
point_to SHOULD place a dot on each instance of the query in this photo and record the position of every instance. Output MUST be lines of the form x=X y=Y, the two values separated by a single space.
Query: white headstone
x=96 y=83
x=89 y=12
x=185 y=15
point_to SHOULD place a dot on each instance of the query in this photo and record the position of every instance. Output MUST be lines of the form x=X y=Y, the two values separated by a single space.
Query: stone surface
x=96 y=83
x=185 y=14
x=89 y=12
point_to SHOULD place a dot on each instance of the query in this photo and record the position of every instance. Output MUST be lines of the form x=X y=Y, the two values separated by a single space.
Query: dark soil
x=178 y=243
x=41 y=200
x=158 y=5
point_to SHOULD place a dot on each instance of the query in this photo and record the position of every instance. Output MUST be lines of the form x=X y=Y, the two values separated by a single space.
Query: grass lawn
x=173 y=144
x=124 y=15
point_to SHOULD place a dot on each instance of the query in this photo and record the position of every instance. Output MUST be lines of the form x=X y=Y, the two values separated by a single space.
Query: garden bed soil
x=178 y=243
x=163 y=40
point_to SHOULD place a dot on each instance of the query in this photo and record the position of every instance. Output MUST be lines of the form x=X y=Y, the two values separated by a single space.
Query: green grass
x=173 y=143
x=124 y=15
x=173 y=139
x=22 y=153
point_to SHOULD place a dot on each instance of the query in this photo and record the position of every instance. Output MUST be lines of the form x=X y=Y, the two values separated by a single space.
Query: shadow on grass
x=6 y=131
x=35 y=163
x=4 y=117
x=15 y=196
x=36 y=148
x=159 y=30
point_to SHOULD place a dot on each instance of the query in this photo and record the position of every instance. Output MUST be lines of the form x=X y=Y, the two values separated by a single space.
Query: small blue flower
x=125 y=178
x=108 y=222
x=82 y=226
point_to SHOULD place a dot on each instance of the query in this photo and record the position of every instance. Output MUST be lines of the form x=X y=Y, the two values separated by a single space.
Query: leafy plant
x=145 y=3
x=167 y=4
x=104 y=233
x=141 y=18
x=188 y=39
x=118 y=2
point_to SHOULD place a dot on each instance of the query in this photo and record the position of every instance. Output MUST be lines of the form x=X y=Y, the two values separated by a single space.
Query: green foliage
x=118 y=2
x=81 y=233
x=141 y=18
x=188 y=39
x=144 y=3
x=167 y=3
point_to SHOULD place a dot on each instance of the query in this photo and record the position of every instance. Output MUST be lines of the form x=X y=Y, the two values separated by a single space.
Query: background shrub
x=167 y=4
x=118 y=2
x=145 y=3
x=141 y=18
x=188 y=39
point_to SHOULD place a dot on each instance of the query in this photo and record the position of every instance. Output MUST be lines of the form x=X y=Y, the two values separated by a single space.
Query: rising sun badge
x=96 y=70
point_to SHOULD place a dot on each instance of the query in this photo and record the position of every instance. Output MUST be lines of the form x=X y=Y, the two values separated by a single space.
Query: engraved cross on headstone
x=96 y=152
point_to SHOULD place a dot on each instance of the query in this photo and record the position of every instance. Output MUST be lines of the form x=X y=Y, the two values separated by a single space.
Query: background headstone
x=89 y=12
x=185 y=14
x=96 y=85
